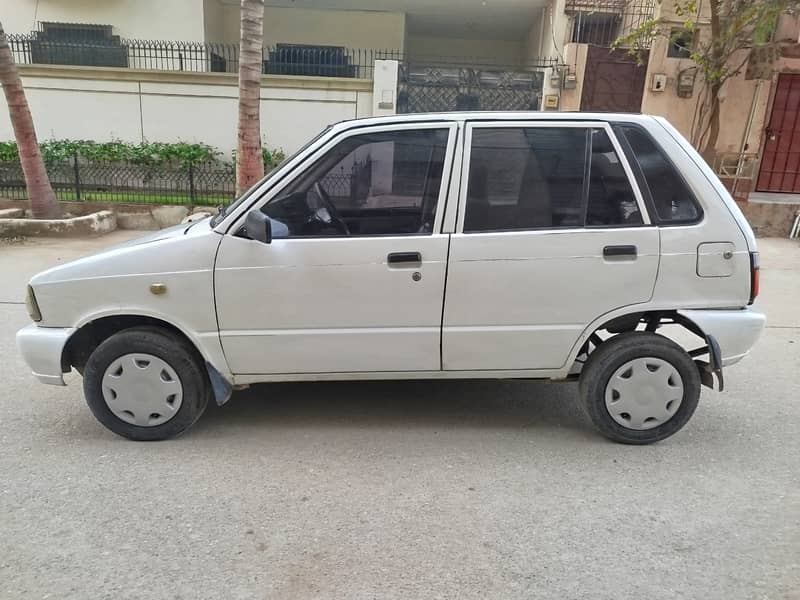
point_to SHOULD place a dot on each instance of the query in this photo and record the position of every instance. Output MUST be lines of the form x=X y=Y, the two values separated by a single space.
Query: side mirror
x=259 y=226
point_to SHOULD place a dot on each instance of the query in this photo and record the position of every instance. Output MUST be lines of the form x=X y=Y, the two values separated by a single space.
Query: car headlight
x=32 y=306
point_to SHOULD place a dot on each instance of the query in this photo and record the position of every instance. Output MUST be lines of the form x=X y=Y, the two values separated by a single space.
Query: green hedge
x=181 y=154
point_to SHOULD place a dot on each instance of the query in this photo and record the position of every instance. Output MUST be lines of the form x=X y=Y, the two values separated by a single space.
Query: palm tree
x=43 y=201
x=249 y=162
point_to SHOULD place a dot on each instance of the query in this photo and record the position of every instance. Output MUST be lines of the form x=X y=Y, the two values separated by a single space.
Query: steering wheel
x=336 y=220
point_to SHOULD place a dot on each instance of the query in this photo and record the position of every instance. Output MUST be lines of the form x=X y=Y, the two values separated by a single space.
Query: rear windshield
x=671 y=197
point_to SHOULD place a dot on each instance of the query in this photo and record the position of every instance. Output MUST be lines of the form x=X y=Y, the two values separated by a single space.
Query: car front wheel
x=639 y=387
x=145 y=384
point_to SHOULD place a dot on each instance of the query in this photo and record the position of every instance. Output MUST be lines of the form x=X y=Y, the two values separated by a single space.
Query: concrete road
x=404 y=490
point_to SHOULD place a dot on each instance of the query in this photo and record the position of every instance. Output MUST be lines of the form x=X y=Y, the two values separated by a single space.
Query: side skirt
x=244 y=379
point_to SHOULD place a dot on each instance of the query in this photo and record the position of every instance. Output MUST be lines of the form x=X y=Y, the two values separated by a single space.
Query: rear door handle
x=611 y=251
x=399 y=258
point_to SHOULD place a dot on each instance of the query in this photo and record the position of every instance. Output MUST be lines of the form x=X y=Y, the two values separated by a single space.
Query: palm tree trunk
x=249 y=162
x=40 y=194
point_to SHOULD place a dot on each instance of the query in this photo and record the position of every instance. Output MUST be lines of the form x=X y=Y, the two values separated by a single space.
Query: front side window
x=384 y=183
x=539 y=177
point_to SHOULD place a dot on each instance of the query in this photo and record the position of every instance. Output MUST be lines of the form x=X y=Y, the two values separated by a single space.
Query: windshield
x=224 y=210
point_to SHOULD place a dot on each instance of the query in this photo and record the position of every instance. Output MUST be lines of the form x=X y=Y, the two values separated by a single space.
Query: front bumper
x=42 y=348
x=736 y=331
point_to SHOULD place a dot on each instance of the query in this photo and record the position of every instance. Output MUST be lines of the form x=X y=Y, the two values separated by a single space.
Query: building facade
x=166 y=71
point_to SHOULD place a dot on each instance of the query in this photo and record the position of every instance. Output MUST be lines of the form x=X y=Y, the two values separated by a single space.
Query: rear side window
x=546 y=177
x=673 y=201
x=525 y=178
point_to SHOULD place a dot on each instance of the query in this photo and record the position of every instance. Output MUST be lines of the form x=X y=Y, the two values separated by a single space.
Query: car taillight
x=755 y=268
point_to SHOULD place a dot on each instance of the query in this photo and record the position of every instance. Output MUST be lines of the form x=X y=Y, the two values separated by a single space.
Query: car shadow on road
x=393 y=404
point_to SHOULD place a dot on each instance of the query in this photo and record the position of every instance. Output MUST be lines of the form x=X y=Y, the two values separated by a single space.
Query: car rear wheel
x=639 y=387
x=145 y=384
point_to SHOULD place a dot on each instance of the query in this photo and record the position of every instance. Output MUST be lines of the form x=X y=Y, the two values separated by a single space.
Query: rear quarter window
x=670 y=196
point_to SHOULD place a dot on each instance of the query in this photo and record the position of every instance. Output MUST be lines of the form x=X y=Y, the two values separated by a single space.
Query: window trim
x=452 y=203
x=657 y=220
x=588 y=126
x=310 y=160
x=620 y=154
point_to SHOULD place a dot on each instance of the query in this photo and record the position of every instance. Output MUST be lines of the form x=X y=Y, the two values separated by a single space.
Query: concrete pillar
x=384 y=88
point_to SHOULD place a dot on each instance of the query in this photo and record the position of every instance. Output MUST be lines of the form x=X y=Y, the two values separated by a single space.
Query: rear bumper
x=737 y=331
x=42 y=348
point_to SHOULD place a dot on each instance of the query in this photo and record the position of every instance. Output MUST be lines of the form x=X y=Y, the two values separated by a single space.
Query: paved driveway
x=403 y=490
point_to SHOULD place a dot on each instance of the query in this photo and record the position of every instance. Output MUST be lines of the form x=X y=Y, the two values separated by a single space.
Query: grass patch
x=145 y=197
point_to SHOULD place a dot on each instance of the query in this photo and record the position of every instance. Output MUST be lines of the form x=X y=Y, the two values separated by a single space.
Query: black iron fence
x=449 y=87
x=78 y=179
x=602 y=22
x=205 y=184
x=107 y=50
x=194 y=57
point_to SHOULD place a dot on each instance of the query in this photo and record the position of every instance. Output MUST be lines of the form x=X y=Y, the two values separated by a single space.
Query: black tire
x=176 y=352
x=610 y=356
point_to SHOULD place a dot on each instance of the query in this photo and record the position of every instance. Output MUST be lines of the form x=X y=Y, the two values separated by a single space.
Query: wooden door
x=614 y=81
x=780 y=166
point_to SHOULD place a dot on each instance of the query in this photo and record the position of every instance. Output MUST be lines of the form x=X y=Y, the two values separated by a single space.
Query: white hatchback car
x=467 y=245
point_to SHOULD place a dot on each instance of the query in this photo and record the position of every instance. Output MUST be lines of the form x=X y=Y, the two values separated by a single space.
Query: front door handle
x=613 y=251
x=404 y=258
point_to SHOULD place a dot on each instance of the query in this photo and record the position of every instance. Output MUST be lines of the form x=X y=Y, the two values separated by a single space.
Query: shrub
x=151 y=154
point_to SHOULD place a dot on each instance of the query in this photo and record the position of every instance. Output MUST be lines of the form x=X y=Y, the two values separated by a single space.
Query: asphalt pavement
x=403 y=490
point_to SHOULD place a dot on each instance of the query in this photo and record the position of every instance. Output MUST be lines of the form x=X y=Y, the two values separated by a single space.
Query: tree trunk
x=249 y=162
x=709 y=151
x=40 y=194
x=709 y=141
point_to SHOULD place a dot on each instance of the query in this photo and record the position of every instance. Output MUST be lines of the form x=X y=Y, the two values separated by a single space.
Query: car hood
x=142 y=254
x=155 y=236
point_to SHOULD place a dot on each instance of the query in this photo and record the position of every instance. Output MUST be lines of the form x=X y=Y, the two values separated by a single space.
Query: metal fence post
x=191 y=186
x=77 y=177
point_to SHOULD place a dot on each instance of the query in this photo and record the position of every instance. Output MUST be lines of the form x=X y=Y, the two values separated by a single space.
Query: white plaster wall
x=349 y=28
x=133 y=111
x=143 y=19
x=494 y=51
x=575 y=56
x=76 y=111
x=532 y=45
x=553 y=27
x=384 y=88
x=213 y=21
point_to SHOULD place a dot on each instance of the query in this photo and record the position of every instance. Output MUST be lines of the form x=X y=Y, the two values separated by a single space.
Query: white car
x=442 y=246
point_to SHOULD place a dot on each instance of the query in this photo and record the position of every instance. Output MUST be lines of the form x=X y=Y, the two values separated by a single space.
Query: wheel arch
x=631 y=319
x=93 y=331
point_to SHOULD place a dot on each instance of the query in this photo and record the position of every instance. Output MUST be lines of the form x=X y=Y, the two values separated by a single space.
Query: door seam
x=444 y=303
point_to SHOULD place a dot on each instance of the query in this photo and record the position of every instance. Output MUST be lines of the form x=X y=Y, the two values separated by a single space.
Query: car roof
x=495 y=116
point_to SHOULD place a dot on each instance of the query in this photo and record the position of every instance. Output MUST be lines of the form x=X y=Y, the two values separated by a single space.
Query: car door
x=552 y=233
x=357 y=283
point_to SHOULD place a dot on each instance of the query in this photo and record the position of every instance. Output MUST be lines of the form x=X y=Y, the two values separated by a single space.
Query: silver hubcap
x=142 y=389
x=644 y=393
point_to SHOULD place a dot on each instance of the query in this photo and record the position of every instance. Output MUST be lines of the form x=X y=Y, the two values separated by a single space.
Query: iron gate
x=425 y=88
x=614 y=80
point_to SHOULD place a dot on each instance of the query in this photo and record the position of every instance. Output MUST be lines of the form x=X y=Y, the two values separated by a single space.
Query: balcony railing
x=601 y=22
x=196 y=57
